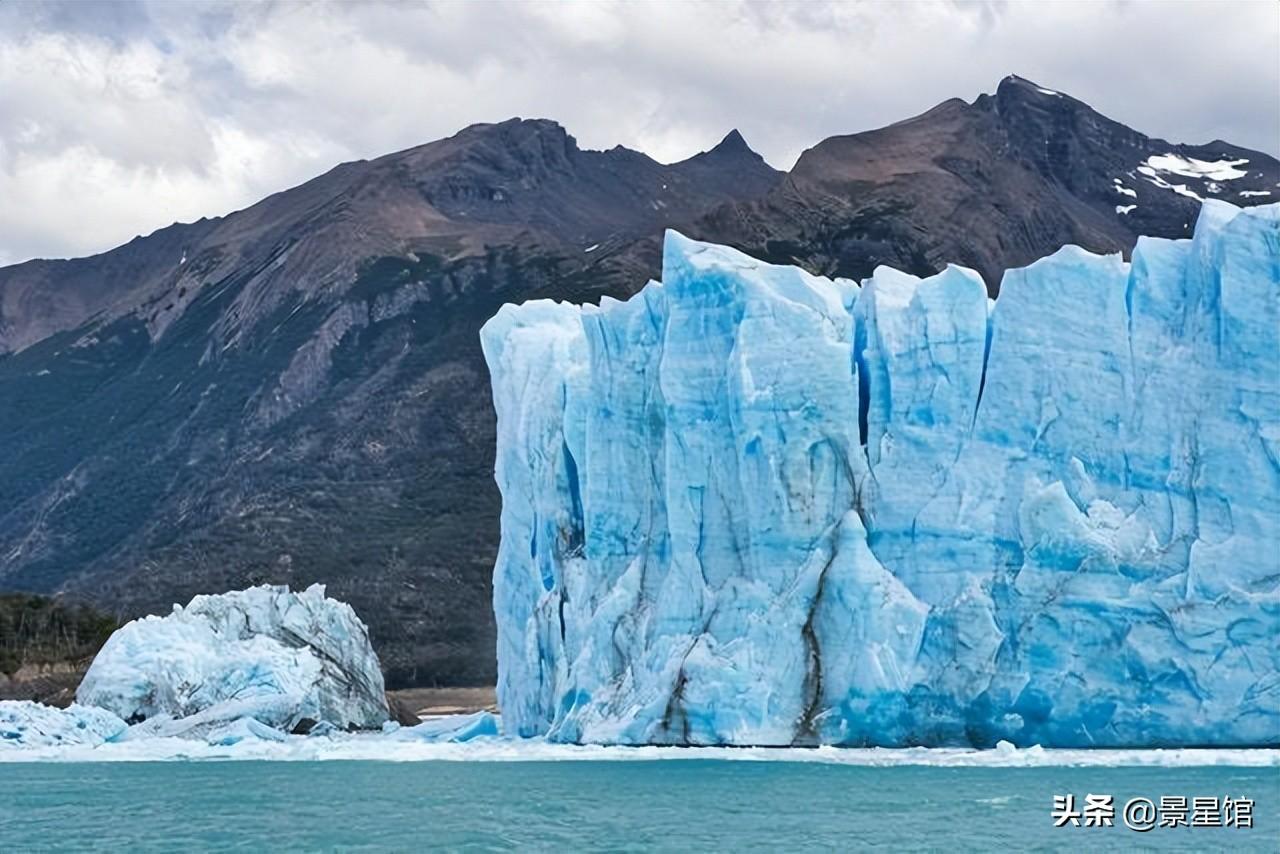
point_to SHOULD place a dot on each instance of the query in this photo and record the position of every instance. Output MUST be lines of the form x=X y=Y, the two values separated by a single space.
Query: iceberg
x=27 y=724
x=287 y=660
x=753 y=506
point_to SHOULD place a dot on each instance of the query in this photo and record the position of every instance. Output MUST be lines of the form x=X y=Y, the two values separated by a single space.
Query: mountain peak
x=1015 y=86
x=515 y=131
x=733 y=151
x=516 y=124
x=733 y=166
x=534 y=126
x=733 y=143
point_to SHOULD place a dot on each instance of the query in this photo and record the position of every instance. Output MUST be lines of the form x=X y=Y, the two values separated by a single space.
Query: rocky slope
x=295 y=393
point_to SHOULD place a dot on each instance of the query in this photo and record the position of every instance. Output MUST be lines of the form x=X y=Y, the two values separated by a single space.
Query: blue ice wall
x=754 y=506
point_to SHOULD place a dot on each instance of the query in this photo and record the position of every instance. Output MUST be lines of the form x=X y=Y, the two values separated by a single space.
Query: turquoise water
x=674 y=805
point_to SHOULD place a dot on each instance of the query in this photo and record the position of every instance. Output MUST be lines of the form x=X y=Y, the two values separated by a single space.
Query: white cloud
x=123 y=121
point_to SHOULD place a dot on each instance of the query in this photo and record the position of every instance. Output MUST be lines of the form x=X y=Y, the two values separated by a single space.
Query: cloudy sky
x=117 y=119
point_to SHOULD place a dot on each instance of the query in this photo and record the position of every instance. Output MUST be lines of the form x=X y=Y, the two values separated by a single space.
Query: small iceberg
x=262 y=673
x=288 y=660
x=452 y=729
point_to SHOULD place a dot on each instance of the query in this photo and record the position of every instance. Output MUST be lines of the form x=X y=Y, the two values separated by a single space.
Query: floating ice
x=750 y=506
x=243 y=729
x=377 y=747
x=24 y=724
x=451 y=728
x=266 y=653
x=213 y=722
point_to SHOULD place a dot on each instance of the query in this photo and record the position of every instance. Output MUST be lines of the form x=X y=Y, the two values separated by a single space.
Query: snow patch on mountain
x=1190 y=167
x=1181 y=189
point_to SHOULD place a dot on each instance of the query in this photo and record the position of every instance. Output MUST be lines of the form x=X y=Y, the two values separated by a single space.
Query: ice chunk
x=243 y=729
x=27 y=724
x=754 y=506
x=451 y=728
x=266 y=652
x=272 y=710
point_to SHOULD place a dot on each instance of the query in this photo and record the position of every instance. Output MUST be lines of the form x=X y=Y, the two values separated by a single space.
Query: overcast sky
x=117 y=119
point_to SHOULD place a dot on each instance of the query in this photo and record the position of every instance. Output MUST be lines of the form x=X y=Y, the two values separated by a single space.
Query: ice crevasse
x=754 y=506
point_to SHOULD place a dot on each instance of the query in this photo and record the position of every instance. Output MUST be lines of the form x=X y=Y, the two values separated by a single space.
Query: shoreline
x=380 y=748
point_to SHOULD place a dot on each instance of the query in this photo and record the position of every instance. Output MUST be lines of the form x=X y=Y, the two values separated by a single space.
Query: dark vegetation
x=37 y=630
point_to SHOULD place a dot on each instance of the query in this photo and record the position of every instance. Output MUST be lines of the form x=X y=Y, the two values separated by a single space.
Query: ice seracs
x=754 y=506
x=281 y=658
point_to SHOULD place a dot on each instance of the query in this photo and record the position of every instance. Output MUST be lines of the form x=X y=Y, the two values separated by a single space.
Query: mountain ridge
x=996 y=183
x=450 y=174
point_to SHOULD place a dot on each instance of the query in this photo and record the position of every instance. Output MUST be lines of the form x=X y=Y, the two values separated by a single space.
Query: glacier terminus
x=753 y=506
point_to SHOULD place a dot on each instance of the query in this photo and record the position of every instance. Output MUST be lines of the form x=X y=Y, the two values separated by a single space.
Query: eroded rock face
x=264 y=653
x=754 y=506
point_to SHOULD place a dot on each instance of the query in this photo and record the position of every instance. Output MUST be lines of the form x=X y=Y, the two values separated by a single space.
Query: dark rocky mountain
x=295 y=393
x=993 y=184
x=520 y=182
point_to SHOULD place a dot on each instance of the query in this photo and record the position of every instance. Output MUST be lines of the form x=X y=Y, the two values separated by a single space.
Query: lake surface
x=667 y=805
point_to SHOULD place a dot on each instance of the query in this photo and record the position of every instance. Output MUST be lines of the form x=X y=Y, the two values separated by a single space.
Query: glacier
x=284 y=659
x=753 y=506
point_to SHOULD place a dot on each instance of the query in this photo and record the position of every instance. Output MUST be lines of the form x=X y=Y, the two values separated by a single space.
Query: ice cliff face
x=265 y=654
x=753 y=506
